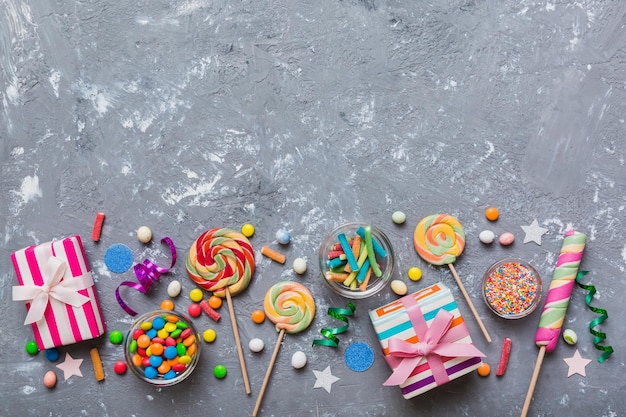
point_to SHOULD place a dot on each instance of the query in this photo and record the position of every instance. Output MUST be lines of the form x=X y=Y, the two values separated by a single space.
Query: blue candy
x=150 y=372
x=52 y=354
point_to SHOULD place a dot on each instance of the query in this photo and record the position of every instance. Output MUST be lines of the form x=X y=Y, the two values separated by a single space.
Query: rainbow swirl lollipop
x=439 y=239
x=220 y=259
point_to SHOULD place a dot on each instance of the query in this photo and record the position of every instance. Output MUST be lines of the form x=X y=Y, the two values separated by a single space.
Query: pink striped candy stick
x=553 y=313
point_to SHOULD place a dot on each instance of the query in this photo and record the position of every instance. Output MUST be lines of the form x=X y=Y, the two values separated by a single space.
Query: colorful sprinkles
x=512 y=288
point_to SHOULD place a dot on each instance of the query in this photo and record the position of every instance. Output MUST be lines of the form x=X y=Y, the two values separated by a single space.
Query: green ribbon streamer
x=329 y=333
x=599 y=336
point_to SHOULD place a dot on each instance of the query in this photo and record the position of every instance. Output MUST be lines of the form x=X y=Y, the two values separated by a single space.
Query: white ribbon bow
x=64 y=290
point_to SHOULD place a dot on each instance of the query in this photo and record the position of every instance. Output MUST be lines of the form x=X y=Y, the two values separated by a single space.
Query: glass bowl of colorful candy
x=356 y=260
x=512 y=288
x=162 y=347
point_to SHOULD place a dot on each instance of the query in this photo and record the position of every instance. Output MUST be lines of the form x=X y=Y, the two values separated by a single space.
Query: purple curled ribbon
x=147 y=273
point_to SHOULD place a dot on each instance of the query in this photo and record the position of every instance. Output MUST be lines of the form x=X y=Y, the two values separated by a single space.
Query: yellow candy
x=185 y=359
x=247 y=230
x=163 y=334
x=169 y=327
x=209 y=335
x=146 y=325
x=196 y=295
x=415 y=273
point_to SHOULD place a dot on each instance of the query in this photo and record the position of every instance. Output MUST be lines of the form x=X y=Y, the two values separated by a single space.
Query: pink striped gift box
x=56 y=284
x=406 y=330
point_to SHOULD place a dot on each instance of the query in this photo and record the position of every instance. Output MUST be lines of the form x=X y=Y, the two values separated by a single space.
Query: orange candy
x=258 y=316
x=215 y=302
x=167 y=305
x=156 y=349
x=484 y=369
x=492 y=214
x=143 y=341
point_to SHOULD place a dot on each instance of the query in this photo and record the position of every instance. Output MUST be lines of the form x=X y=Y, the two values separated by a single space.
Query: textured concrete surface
x=189 y=115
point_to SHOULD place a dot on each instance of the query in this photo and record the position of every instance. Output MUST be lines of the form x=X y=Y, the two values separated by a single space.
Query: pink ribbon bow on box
x=432 y=345
x=55 y=287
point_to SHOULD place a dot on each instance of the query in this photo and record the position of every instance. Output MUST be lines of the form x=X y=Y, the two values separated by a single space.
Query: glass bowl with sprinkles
x=356 y=271
x=512 y=288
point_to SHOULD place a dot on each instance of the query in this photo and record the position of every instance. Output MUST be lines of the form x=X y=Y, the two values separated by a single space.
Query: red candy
x=215 y=316
x=194 y=310
x=120 y=367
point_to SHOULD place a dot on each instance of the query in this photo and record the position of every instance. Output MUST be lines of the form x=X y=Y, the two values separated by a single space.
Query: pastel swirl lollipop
x=220 y=259
x=290 y=306
x=439 y=239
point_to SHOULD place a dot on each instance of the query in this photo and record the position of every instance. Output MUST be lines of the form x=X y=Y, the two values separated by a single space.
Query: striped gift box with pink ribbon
x=425 y=340
x=56 y=284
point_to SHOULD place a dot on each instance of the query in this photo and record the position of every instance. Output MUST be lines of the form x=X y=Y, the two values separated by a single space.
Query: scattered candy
x=208 y=310
x=247 y=230
x=399 y=287
x=487 y=237
x=194 y=310
x=52 y=354
x=256 y=345
x=492 y=214
x=219 y=371
x=330 y=333
x=415 y=274
x=174 y=288
x=196 y=295
x=31 y=347
x=116 y=337
x=512 y=288
x=97 y=364
x=97 y=229
x=167 y=305
x=507 y=238
x=283 y=237
x=298 y=360
x=49 y=379
x=570 y=336
x=120 y=367
x=359 y=356
x=215 y=302
x=118 y=258
x=484 y=369
x=504 y=356
x=273 y=255
x=299 y=266
x=398 y=217
x=209 y=335
x=144 y=234
x=258 y=316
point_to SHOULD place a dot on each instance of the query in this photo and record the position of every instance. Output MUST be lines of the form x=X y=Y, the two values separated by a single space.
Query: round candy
x=283 y=237
x=507 y=238
x=256 y=345
x=359 y=356
x=570 y=336
x=484 y=369
x=487 y=236
x=398 y=217
x=219 y=371
x=399 y=287
x=116 y=337
x=194 y=310
x=174 y=288
x=492 y=214
x=167 y=305
x=119 y=367
x=209 y=335
x=196 y=295
x=299 y=266
x=31 y=347
x=290 y=306
x=215 y=302
x=439 y=239
x=144 y=234
x=247 y=230
x=415 y=274
x=258 y=316
x=52 y=354
x=220 y=259
x=298 y=360
x=50 y=379
x=118 y=258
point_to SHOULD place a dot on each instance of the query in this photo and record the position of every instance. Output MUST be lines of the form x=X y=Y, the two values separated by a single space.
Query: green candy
x=31 y=347
x=116 y=337
x=219 y=371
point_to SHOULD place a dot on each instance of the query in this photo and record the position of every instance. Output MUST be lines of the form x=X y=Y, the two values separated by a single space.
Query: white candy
x=173 y=289
x=487 y=236
x=398 y=217
x=256 y=345
x=299 y=266
x=144 y=234
x=298 y=360
x=570 y=336
x=399 y=287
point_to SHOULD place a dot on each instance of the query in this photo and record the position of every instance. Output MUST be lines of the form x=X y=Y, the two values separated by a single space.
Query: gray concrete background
x=189 y=115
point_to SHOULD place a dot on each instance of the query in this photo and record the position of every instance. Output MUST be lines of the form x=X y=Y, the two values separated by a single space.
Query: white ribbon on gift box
x=64 y=290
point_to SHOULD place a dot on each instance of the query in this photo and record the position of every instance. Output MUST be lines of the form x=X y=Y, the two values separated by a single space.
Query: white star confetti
x=325 y=379
x=576 y=364
x=534 y=232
